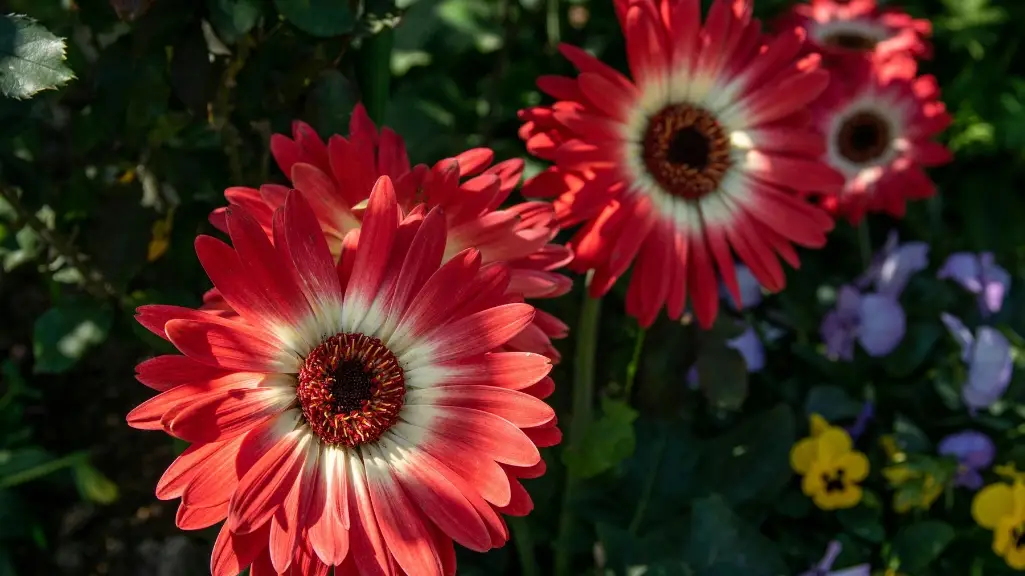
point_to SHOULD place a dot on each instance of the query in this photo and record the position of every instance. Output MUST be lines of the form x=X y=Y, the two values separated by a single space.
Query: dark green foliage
x=130 y=141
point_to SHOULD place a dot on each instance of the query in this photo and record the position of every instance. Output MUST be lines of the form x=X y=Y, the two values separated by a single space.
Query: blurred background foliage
x=108 y=179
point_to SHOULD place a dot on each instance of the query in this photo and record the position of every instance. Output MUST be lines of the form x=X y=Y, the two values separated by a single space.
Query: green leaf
x=832 y=403
x=234 y=18
x=864 y=522
x=722 y=376
x=16 y=461
x=93 y=485
x=723 y=544
x=609 y=440
x=918 y=545
x=31 y=58
x=64 y=334
x=322 y=18
x=751 y=460
x=331 y=102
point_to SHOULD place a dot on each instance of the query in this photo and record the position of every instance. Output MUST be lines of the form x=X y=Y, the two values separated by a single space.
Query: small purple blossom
x=893 y=266
x=861 y=422
x=876 y=321
x=988 y=356
x=750 y=348
x=825 y=566
x=750 y=289
x=980 y=275
x=974 y=452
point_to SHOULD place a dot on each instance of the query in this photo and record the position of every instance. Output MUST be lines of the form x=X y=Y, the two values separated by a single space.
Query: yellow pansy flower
x=805 y=451
x=1000 y=507
x=928 y=487
x=833 y=473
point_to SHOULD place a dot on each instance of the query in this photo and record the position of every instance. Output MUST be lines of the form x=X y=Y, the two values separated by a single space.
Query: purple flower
x=988 y=355
x=974 y=452
x=893 y=266
x=981 y=276
x=751 y=350
x=861 y=422
x=825 y=566
x=876 y=321
x=750 y=289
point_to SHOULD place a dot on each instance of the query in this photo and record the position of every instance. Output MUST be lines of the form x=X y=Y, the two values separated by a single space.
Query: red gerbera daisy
x=843 y=30
x=879 y=129
x=700 y=154
x=355 y=415
x=336 y=178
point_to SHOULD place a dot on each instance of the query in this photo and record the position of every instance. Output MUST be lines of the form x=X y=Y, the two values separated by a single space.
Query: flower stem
x=524 y=545
x=375 y=74
x=649 y=485
x=580 y=420
x=631 y=368
x=865 y=244
x=42 y=470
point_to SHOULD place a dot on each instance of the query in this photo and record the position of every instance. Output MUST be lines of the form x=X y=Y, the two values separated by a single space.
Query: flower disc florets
x=351 y=388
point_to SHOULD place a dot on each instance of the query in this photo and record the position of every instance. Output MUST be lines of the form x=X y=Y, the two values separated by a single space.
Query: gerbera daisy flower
x=355 y=415
x=336 y=178
x=879 y=129
x=845 y=30
x=701 y=153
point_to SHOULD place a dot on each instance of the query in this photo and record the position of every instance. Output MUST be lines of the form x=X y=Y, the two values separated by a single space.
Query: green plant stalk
x=580 y=420
x=865 y=243
x=649 y=485
x=374 y=69
x=524 y=545
x=41 y=470
x=631 y=368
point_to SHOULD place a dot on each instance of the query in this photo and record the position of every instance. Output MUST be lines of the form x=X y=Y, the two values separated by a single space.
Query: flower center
x=1018 y=536
x=863 y=137
x=851 y=41
x=834 y=482
x=351 y=389
x=686 y=151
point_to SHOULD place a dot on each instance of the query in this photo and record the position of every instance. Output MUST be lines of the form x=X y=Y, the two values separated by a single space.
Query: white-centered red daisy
x=844 y=30
x=700 y=157
x=357 y=415
x=879 y=129
x=336 y=179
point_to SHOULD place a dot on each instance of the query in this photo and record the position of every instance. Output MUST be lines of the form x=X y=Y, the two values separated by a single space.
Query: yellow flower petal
x=803 y=454
x=818 y=425
x=897 y=474
x=855 y=466
x=812 y=482
x=1003 y=535
x=993 y=503
x=833 y=443
x=1018 y=490
x=849 y=497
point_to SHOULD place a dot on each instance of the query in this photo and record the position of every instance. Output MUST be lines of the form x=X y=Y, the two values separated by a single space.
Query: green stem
x=865 y=244
x=580 y=420
x=41 y=470
x=552 y=23
x=374 y=67
x=649 y=485
x=631 y=368
x=524 y=545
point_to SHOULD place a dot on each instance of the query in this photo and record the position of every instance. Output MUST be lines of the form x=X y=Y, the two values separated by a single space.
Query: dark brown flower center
x=686 y=151
x=851 y=41
x=835 y=481
x=1018 y=537
x=351 y=389
x=863 y=137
